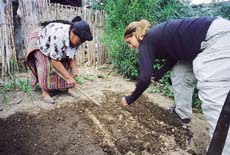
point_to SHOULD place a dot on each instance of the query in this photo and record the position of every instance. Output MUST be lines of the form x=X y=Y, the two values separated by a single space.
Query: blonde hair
x=140 y=27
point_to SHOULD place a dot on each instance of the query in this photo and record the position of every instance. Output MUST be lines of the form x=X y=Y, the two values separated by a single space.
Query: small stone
x=146 y=144
x=145 y=153
x=58 y=106
x=101 y=76
x=130 y=153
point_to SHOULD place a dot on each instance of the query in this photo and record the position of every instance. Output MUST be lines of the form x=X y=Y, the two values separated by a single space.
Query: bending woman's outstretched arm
x=63 y=72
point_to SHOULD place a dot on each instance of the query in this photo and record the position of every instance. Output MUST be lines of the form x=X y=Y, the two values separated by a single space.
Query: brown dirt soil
x=80 y=127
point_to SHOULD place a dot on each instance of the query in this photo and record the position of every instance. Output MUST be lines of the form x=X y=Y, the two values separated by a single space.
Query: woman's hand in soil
x=71 y=82
x=124 y=102
x=153 y=80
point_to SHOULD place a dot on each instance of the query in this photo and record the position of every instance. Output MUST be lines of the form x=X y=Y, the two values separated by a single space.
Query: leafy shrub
x=213 y=9
x=119 y=13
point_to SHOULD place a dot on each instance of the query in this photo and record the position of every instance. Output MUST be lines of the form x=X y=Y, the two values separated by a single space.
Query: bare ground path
x=80 y=127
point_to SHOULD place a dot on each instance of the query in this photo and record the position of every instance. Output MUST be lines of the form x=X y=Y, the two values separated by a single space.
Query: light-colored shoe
x=48 y=99
x=73 y=94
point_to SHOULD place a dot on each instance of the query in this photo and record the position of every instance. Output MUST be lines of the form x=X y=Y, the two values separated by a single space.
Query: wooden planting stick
x=84 y=93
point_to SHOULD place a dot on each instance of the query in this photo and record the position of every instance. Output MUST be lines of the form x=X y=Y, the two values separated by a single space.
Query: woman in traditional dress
x=50 y=56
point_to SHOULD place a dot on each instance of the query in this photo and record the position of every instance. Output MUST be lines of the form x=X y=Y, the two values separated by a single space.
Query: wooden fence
x=36 y=11
x=93 y=52
x=7 y=47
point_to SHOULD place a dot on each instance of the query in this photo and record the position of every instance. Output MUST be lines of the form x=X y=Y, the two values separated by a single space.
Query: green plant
x=119 y=13
x=13 y=70
x=196 y=101
x=79 y=80
x=8 y=86
x=88 y=78
x=25 y=85
x=37 y=87
x=4 y=99
x=163 y=86
x=126 y=62
x=212 y=9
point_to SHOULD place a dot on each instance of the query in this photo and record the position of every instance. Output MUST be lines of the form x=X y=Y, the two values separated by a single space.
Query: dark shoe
x=172 y=111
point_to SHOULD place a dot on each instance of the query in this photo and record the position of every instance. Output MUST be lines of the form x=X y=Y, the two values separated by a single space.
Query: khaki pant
x=212 y=69
x=183 y=85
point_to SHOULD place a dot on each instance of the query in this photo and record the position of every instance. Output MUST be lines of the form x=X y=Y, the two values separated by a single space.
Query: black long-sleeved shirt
x=173 y=40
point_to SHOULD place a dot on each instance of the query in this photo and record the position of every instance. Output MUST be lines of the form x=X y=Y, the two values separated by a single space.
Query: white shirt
x=54 y=41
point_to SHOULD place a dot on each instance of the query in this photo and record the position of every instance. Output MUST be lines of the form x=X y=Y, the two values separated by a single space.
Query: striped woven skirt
x=42 y=71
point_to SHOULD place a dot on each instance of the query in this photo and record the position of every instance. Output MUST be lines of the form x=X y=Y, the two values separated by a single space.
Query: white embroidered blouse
x=54 y=41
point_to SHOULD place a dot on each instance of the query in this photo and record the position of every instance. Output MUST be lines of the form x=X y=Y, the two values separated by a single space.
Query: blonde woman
x=191 y=47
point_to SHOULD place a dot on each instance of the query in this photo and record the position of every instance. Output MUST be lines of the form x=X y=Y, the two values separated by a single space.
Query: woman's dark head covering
x=81 y=29
x=78 y=26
